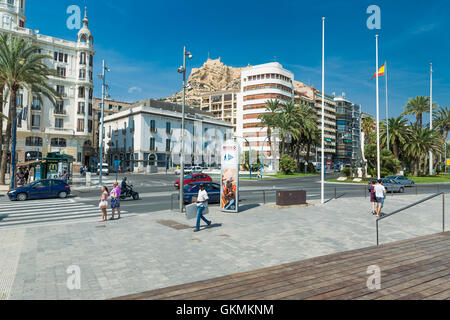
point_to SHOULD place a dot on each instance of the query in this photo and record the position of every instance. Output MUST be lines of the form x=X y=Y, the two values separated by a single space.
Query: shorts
x=381 y=200
x=115 y=203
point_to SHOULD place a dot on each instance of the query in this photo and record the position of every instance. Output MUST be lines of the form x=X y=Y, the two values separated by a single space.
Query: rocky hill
x=212 y=76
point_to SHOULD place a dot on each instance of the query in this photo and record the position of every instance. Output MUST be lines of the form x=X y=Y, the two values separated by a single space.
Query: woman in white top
x=202 y=204
x=104 y=203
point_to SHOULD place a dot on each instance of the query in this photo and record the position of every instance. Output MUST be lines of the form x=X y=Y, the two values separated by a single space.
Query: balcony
x=57 y=112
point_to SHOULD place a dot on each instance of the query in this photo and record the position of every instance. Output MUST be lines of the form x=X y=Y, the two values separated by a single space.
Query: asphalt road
x=156 y=190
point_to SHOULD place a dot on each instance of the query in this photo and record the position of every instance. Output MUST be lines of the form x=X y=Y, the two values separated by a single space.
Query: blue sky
x=142 y=42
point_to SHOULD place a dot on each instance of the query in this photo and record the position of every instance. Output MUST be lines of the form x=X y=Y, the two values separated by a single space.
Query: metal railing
x=413 y=205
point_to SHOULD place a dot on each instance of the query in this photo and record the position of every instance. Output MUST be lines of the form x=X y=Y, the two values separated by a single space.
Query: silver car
x=402 y=180
x=391 y=186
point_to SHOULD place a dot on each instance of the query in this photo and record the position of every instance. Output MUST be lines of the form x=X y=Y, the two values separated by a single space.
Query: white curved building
x=258 y=85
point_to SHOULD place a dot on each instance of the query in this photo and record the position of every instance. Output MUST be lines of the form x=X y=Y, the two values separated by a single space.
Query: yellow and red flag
x=380 y=71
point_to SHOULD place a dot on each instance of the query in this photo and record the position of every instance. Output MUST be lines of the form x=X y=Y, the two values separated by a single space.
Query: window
x=61 y=57
x=65 y=58
x=82 y=74
x=80 y=125
x=33 y=142
x=81 y=106
x=83 y=58
x=81 y=92
x=36 y=104
x=90 y=126
x=19 y=100
x=153 y=126
x=91 y=60
x=55 y=56
x=119 y=108
x=61 y=72
x=90 y=109
x=90 y=76
x=91 y=93
x=35 y=121
x=79 y=157
x=59 y=123
x=60 y=90
x=152 y=144
x=168 y=142
x=59 y=108
x=110 y=107
x=168 y=127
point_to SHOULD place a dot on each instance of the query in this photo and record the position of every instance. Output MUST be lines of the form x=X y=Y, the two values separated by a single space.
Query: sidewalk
x=157 y=250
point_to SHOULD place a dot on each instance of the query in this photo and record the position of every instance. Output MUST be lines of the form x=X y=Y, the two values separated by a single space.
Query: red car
x=196 y=177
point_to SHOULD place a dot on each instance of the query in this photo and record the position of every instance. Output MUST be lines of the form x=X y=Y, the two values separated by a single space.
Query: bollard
x=335 y=193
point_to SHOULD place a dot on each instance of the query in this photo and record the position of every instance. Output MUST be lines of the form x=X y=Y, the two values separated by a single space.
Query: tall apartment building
x=312 y=97
x=67 y=127
x=222 y=105
x=258 y=85
x=348 y=117
x=111 y=107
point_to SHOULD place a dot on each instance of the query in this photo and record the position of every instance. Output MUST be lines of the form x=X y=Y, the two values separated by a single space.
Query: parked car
x=195 y=169
x=191 y=190
x=402 y=180
x=40 y=189
x=105 y=169
x=390 y=185
x=191 y=178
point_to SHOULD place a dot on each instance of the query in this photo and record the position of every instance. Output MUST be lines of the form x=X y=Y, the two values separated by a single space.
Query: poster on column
x=229 y=183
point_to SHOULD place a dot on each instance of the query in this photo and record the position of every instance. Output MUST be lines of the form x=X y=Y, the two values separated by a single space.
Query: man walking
x=202 y=204
x=380 y=192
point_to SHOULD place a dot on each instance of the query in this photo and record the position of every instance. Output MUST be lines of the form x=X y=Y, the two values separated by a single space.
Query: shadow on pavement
x=246 y=207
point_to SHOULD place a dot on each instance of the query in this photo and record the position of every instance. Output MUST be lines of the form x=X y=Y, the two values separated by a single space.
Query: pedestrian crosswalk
x=43 y=212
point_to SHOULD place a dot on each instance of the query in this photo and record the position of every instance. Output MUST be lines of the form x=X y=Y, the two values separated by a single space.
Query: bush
x=311 y=168
x=287 y=164
x=346 y=172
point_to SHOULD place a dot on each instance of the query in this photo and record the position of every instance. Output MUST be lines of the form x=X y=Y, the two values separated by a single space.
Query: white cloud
x=134 y=89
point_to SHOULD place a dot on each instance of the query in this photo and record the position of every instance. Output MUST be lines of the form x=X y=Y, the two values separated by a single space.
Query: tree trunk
x=1 y=123
x=308 y=152
x=395 y=149
x=11 y=119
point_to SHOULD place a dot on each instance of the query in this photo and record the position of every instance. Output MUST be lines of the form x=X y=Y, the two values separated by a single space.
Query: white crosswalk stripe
x=43 y=212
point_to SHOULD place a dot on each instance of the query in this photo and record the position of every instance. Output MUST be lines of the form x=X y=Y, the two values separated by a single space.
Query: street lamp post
x=262 y=156
x=249 y=154
x=431 y=114
x=182 y=70
x=104 y=88
x=13 y=150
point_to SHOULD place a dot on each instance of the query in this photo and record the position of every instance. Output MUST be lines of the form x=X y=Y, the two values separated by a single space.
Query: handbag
x=103 y=204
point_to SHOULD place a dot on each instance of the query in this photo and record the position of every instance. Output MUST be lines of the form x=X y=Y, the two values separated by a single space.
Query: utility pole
x=102 y=76
x=431 y=114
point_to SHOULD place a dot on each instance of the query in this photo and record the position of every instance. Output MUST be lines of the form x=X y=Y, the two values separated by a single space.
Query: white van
x=105 y=169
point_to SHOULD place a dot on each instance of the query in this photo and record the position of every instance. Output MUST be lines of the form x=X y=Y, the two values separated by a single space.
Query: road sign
x=116 y=163
x=329 y=163
x=448 y=162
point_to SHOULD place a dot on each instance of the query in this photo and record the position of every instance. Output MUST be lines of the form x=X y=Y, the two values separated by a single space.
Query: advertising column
x=229 y=186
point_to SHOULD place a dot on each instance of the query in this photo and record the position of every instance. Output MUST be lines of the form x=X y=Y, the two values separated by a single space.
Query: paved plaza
x=157 y=250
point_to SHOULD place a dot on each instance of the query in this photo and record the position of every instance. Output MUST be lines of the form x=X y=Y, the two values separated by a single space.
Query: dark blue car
x=191 y=190
x=41 y=189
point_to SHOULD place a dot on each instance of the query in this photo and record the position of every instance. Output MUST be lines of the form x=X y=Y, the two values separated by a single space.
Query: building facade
x=258 y=85
x=348 y=135
x=222 y=105
x=66 y=127
x=312 y=97
x=111 y=107
x=149 y=134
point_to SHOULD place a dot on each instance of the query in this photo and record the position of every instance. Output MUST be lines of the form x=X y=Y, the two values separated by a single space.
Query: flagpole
x=323 y=114
x=378 y=113
x=387 y=106
x=431 y=114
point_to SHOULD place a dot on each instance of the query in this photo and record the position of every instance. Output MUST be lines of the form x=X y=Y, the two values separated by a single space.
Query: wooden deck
x=417 y=269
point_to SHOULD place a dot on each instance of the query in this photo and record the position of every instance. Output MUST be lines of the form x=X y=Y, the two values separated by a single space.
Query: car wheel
x=62 y=195
x=402 y=190
x=136 y=196
x=22 y=196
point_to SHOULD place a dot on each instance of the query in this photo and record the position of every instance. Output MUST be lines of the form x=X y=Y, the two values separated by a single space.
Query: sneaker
x=209 y=224
x=196 y=230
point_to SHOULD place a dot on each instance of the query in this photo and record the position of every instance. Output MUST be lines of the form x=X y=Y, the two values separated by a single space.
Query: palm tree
x=398 y=134
x=270 y=119
x=21 y=66
x=367 y=126
x=288 y=123
x=442 y=121
x=418 y=106
x=420 y=143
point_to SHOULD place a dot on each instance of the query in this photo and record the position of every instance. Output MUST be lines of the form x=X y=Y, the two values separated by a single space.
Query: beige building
x=313 y=97
x=222 y=105
x=111 y=107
